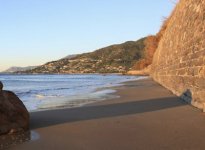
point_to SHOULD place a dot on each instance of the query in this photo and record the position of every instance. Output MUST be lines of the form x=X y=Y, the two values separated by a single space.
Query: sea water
x=40 y=92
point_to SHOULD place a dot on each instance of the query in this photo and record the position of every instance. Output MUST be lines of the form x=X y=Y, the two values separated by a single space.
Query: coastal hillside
x=112 y=59
x=179 y=60
x=151 y=43
x=16 y=69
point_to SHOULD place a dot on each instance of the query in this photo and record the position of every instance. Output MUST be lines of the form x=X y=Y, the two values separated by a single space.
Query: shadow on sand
x=54 y=117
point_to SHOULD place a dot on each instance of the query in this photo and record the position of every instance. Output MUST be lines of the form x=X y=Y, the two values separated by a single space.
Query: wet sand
x=145 y=117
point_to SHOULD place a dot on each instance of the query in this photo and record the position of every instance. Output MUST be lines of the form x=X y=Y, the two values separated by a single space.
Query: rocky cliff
x=179 y=60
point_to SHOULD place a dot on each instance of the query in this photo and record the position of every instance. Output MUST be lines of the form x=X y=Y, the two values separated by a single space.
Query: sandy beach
x=145 y=117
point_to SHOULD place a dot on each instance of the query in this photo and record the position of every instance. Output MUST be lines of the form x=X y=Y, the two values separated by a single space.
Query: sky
x=33 y=32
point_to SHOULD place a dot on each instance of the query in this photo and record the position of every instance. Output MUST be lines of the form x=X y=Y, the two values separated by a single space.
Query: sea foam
x=40 y=92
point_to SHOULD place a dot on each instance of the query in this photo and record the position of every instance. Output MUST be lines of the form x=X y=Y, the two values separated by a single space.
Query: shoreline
x=123 y=74
x=64 y=74
x=54 y=92
x=146 y=116
x=99 y=94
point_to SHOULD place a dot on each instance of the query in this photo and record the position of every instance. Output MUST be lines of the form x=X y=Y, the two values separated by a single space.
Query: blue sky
x=33 y=32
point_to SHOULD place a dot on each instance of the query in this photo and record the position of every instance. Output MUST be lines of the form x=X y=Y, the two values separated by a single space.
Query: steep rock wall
x=179 y=61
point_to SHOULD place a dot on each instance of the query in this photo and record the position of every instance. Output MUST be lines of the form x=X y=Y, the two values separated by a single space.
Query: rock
x=13 y=114
x=1 y=86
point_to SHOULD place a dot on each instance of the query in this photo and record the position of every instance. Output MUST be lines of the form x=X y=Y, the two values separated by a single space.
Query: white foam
x=75 y=101
x=39 y=96
x=53 y=91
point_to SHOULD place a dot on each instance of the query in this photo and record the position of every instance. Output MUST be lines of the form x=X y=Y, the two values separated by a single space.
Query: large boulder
x=14 y=116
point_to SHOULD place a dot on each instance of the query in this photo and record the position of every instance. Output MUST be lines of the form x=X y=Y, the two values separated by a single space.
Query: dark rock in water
x=14 y=116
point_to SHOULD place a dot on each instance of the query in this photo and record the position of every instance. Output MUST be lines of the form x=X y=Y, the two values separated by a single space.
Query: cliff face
x=179 y=61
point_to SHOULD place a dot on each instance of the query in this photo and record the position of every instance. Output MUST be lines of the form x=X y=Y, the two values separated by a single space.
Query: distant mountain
x=17 y=69
x=112 y=59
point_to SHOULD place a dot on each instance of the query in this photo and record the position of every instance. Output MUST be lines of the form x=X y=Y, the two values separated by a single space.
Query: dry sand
x=145 y=117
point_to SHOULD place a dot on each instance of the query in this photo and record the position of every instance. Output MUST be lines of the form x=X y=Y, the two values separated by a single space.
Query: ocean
x=42 y=92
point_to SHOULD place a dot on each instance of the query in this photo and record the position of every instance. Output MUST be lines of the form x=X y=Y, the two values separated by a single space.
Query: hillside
x=16 y=69
x=112 y=59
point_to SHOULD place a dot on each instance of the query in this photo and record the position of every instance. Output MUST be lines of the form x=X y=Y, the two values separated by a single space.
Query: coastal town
x=112 y=59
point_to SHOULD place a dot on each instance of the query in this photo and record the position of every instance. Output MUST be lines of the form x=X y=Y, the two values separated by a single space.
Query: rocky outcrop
x=14 y=116
x=179 y=61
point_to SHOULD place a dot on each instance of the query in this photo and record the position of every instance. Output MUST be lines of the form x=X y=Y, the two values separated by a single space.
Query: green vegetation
x=112 y=59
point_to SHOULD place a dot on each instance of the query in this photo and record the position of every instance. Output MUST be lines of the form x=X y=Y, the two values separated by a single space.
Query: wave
x=61 y=90
x=39 y=96
x=46 y=90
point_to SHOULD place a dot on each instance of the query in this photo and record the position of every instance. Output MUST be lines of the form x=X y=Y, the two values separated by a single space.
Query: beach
x=145 y=116
x=46 y=92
